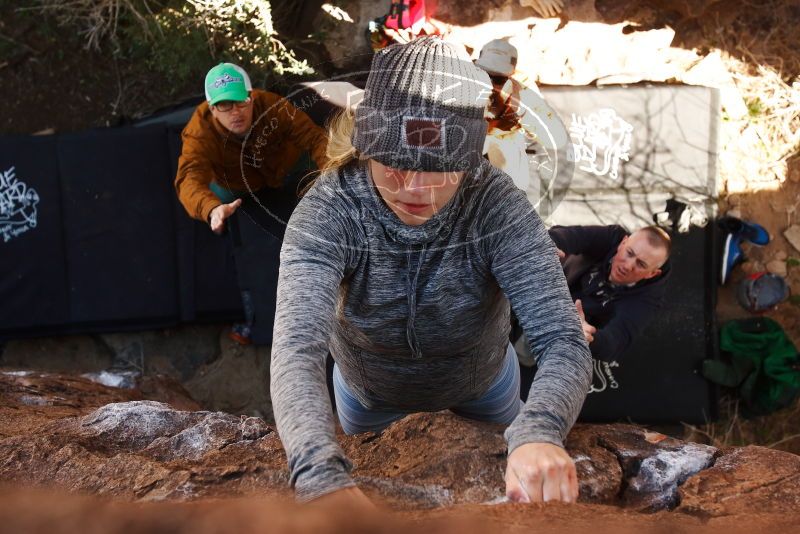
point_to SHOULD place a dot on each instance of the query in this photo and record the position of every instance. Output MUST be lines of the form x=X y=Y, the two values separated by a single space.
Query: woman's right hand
x=352 y=498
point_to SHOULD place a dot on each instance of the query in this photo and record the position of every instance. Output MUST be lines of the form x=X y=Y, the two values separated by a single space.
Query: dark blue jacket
x=620 y=313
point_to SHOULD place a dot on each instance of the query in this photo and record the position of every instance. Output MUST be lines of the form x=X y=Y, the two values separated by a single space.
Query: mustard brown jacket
x=279 y=135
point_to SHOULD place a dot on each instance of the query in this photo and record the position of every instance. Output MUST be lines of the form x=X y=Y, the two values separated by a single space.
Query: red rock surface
x=29 y=399
x=437 y=471
x=746 y=478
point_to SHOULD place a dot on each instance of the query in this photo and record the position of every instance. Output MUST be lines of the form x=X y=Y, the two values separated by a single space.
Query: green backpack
x=760 y=361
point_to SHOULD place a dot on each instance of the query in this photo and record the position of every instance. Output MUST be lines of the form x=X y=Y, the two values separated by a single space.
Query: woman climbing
x=402 y=260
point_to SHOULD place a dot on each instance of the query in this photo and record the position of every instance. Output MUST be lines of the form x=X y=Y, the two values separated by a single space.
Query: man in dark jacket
x=617 y=281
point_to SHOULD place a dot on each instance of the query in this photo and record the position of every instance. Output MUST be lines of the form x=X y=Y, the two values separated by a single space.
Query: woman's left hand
x=538 y=472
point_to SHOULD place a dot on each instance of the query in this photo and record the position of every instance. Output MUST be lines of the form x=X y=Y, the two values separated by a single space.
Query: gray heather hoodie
x=416 y=317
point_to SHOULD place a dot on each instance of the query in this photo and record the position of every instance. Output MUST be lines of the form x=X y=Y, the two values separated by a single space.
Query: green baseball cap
x=227 y=81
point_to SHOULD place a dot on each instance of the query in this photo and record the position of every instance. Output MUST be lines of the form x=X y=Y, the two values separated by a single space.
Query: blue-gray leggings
x=500 y=404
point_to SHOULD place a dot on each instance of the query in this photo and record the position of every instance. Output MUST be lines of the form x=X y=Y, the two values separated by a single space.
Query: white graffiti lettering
x=603 y=378
x=18 y=202
x=600 y=141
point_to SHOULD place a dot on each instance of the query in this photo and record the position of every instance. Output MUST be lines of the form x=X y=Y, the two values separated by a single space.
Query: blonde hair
x=340 y=150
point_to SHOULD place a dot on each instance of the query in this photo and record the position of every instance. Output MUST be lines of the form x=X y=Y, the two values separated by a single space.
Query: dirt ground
x=54 y=82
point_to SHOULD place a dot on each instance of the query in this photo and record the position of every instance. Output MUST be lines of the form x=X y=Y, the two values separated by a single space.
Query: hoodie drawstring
x=411 y=288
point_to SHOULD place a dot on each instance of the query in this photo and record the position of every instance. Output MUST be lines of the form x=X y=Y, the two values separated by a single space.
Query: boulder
x=652 y=465
x=146 y=450
x=744 y=480
x=143 y=450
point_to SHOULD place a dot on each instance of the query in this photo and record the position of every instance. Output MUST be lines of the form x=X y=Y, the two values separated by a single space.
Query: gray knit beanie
x=423 y=108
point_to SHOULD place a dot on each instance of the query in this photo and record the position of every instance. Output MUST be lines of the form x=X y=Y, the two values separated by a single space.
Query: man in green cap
x=241 y=142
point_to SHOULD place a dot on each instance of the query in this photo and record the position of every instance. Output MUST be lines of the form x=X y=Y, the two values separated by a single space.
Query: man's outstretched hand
x=220 y=213
x=541 y=472
x=588 y=330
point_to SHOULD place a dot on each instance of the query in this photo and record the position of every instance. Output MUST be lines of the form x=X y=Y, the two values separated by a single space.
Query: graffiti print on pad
x=17 y=206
